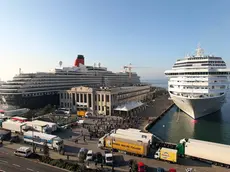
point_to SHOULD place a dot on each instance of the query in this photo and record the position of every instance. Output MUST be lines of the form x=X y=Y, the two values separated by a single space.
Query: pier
x=155 y=110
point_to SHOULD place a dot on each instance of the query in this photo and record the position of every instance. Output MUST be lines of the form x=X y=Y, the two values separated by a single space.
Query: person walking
x=76 y=141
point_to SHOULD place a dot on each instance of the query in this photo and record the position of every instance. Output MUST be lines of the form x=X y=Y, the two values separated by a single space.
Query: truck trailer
x=135 y=133
x=216 y=153
x=129 y=137
x=53 y=142
x=14 y=126
x=126 y=145
x=166 y=154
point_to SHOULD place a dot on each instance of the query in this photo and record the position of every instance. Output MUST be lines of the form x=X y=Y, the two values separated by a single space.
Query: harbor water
x=176 y=125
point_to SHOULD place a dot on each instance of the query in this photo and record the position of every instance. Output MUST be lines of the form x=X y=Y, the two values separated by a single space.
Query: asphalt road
x=11 y=163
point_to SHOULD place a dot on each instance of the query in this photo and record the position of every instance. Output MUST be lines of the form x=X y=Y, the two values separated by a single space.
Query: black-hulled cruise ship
x=36 y=90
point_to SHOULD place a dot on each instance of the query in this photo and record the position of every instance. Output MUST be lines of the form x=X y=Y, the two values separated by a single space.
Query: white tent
x=128 y=106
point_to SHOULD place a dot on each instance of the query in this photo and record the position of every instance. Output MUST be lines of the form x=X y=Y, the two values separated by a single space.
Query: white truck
x=54 y=142
x=42 y=126
x=216 y=153
x=135 y=133
x=14 y=126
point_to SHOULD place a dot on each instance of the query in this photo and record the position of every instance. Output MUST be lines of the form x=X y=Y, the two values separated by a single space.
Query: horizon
x=151 y=35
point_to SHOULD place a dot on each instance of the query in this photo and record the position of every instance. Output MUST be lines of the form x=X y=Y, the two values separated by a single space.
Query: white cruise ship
x=198 y=84
x=35 y=90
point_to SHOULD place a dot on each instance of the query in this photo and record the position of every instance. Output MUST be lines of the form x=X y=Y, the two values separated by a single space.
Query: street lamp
x=33 y=138
x=112 y=153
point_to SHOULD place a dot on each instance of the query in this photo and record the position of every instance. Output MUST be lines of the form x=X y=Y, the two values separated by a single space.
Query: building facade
x=102 y=100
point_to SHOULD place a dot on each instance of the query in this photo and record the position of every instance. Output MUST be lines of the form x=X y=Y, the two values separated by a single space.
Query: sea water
x=176 y=125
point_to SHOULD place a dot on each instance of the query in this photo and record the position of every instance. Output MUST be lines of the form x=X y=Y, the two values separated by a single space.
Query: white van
x=109 y=158
x=23 y=152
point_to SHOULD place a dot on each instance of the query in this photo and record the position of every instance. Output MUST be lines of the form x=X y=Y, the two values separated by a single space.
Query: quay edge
x=149 y=125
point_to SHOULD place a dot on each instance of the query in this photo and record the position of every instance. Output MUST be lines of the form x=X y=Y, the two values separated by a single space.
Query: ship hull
x=32 y=102
x=197 y=108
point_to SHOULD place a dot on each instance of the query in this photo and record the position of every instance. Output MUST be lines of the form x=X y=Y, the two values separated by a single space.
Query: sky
x=150 y=34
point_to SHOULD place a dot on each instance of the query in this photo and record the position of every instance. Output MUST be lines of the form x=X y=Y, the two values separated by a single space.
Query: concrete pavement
x=73 y=148
x=152 y=163
x=11 y=163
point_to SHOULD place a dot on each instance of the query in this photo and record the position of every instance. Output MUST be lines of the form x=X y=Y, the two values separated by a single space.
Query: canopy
x=128 y=106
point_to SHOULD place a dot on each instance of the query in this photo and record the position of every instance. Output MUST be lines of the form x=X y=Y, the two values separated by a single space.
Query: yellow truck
x=127 y=145
x=166 y=154
x=81 y=113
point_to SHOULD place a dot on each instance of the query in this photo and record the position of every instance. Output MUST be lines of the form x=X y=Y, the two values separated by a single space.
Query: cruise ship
x=36 y=90
x=198 y=84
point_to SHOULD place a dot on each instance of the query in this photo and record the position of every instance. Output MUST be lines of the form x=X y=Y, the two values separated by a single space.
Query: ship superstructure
x=35 y=90
x=198 y=84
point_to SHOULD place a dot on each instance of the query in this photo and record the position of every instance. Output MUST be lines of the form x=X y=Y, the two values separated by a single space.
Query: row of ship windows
x=196 y=95
x=38 y=94
x=200 y=77
x=191 y=87
x=200 y=62
x=189 y=65
x=208 y=82
x=37 y=85
x=199 y=73
x=63 y=81
x=201 y=58
x=70 y=79
x=70 y=75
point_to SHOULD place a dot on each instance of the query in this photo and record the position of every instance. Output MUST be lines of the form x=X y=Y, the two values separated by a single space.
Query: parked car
x=98 y=157
x=82 y=154
x=107 y=151
x=159 y=169
x=141 y=167
x=15 y=139
x=172 y=170
x=89 y=156
x=23 y=152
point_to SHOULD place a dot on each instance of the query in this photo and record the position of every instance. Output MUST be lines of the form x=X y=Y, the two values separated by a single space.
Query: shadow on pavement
x=71 y=149
x=190 y=162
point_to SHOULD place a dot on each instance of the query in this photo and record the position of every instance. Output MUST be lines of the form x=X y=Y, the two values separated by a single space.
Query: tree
x=134 y=167
x=46 y=150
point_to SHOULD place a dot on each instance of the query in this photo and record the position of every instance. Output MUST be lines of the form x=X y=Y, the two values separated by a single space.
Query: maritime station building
x=105 y=100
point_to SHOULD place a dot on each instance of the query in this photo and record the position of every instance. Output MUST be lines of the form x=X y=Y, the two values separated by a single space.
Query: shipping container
x=214 y=152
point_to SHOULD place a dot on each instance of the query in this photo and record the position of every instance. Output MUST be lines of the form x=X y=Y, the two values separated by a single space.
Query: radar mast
x=199 y=51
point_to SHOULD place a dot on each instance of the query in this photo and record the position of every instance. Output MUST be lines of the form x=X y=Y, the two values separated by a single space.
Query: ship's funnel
x=80 y=60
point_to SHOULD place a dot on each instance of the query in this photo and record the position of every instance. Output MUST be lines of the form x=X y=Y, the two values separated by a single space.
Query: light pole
x=164 y=131
x=33 y=139
x=112 y=153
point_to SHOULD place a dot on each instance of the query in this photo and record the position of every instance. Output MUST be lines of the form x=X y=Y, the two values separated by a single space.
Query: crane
x=128 y=68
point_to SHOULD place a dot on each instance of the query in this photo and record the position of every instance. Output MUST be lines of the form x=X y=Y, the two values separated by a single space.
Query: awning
x=128 y=106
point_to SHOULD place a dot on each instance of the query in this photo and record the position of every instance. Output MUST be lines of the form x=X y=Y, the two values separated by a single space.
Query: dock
x=155 y=110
